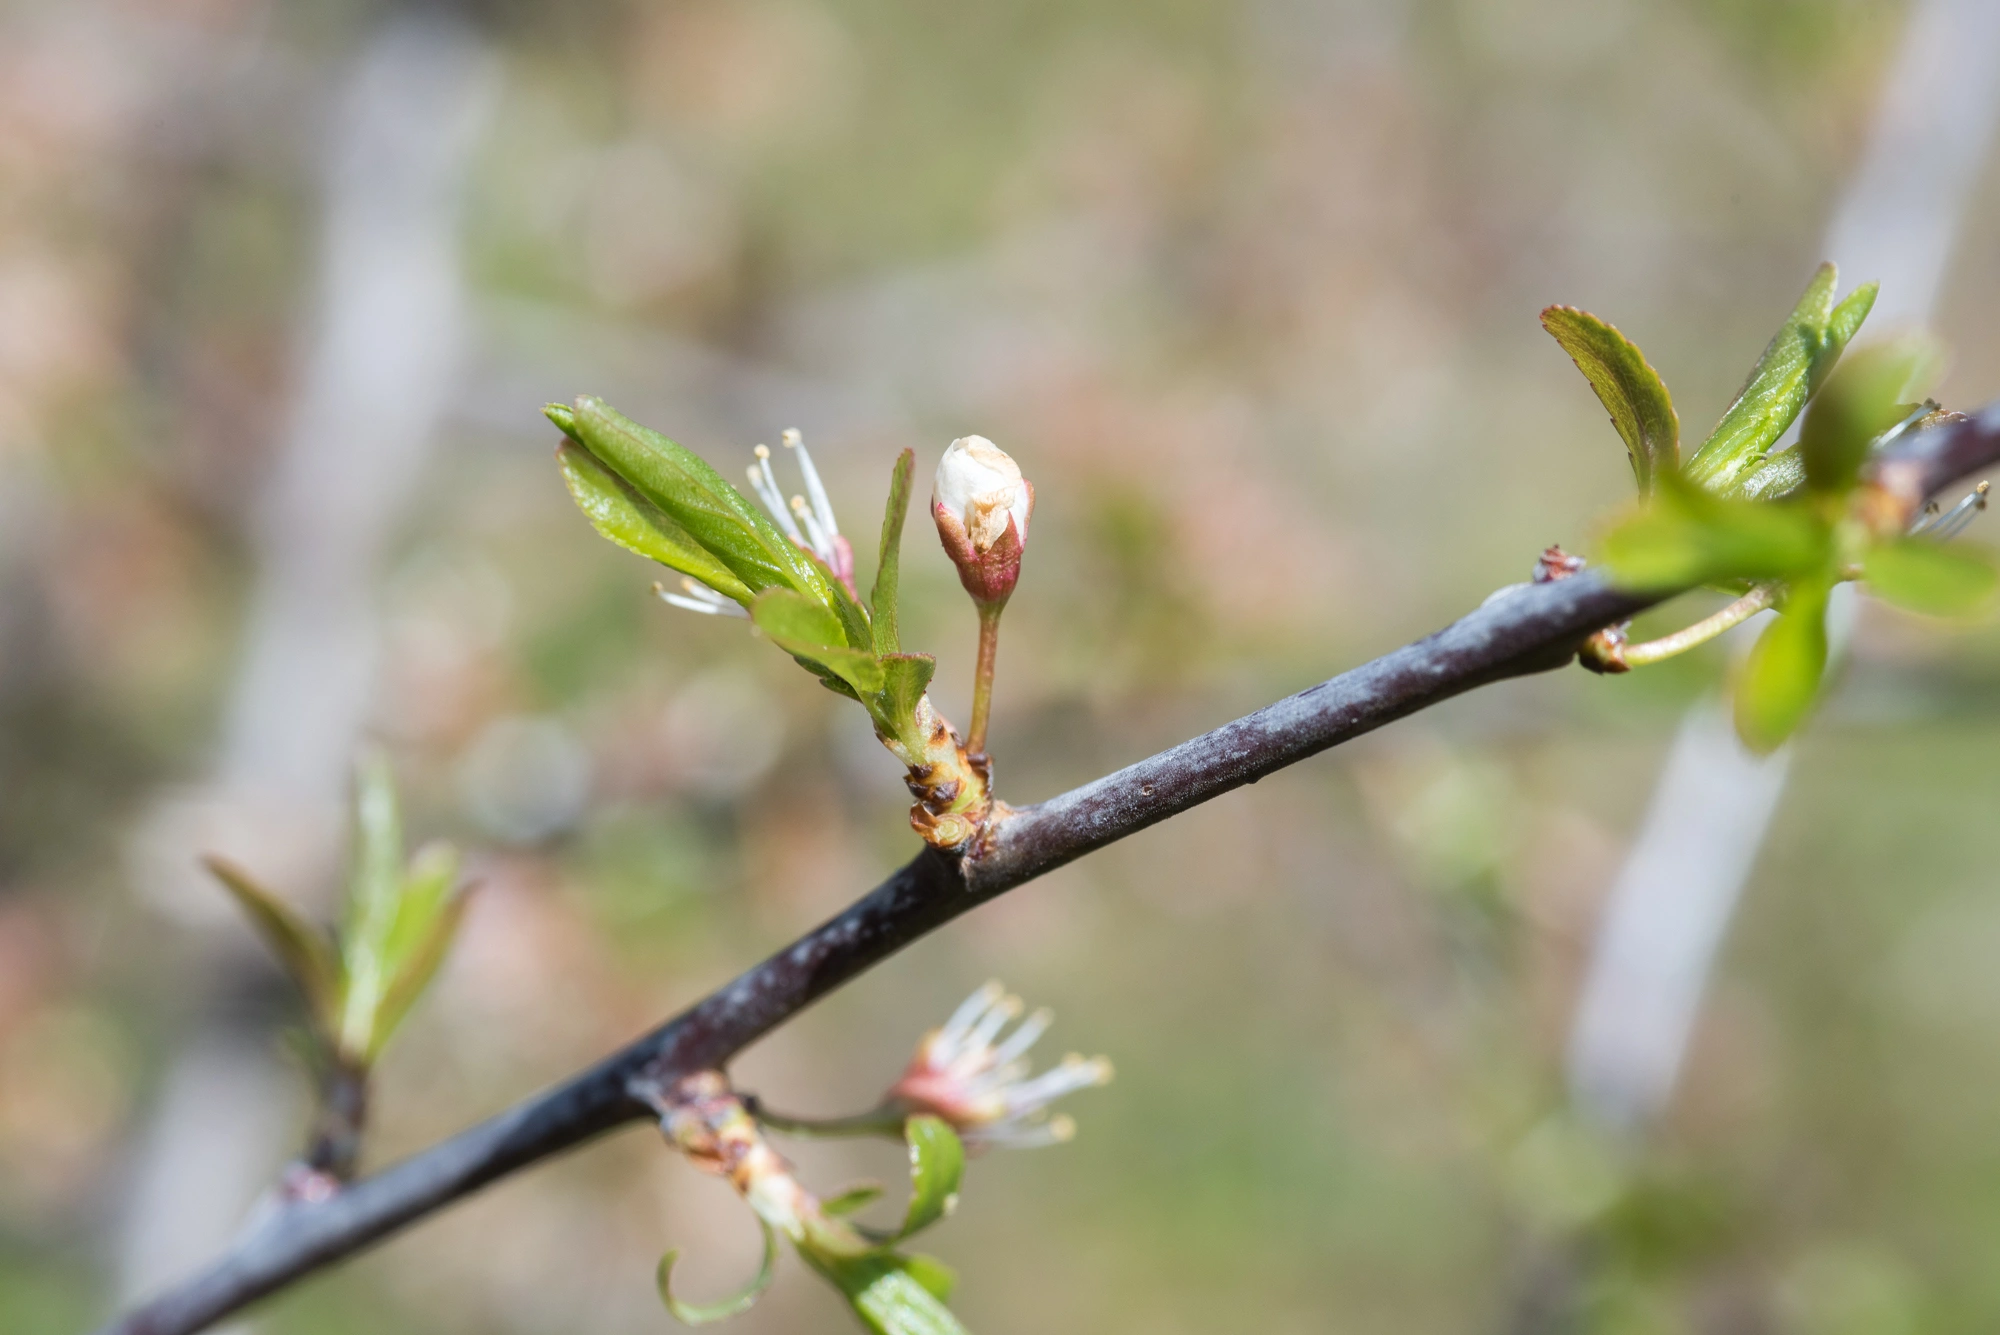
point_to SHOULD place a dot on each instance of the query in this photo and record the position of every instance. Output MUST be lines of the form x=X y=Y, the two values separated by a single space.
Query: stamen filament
x=765 y=484
x=795 y=441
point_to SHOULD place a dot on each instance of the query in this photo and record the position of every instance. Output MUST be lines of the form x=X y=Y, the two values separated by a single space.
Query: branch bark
x=1522 y=629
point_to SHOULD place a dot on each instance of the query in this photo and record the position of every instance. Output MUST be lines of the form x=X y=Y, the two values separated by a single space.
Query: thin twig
x=1526 y=628
x=1702 y=631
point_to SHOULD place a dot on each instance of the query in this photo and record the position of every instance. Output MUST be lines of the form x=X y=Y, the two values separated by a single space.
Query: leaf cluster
x=658 y=499
x=401 y=916
x=1736 y=515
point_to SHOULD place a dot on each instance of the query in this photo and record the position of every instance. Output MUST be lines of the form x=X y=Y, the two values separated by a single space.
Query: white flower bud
x=981 y=487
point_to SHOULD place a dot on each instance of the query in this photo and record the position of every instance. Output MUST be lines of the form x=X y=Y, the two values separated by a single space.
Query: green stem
x=886 y=1120
x=982 y=677
x=1701 y=632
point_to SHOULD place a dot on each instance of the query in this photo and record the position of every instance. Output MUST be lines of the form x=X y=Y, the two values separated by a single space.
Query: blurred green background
x=1249 y=287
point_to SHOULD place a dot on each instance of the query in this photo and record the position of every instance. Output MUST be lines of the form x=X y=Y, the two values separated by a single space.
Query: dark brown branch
x=1523 y=629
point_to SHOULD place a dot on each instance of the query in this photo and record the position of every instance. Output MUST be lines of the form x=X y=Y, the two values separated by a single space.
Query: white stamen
x=796 y=442
x=765 y=484
x=968 y=1014
x=821 y=547
x=1074 y=1073
x=700 y=598
x=993 y=1022
x=1023 y=1038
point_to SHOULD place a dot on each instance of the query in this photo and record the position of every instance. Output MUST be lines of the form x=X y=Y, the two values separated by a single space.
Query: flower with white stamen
x=819 y=535
x=979 y=1082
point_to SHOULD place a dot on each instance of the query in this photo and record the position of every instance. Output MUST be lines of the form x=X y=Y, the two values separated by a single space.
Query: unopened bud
x=981 y=504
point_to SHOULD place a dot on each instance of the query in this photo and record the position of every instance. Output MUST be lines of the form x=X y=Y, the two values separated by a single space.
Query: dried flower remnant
x=979 y=1082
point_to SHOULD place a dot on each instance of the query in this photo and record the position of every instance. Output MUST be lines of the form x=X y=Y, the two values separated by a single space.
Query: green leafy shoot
x=686 y=489
x=652 y=497
x=1920 y=575
x=882 y=598
x=703 y=1314
x=1864 y=398
x=400 y=919
x=304 y=950
x=1793 y=364
x=626 y=518
x=1629 y=388
x=1686 y=536
x=1781 y=677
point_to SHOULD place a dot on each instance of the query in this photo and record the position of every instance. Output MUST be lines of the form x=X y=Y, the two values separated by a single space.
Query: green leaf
x=891 y=1294
x=1797 y=358
x=1780 y=474
x=854 y=1198
x=1626 y=385
x=808 y=631
x=563 y=416
x=882 y=598
x=1926 y=576
x=1841 y=327
x=702 y=1314
x=937 y=1162
x=1864 y=398
x=302 y=948
x=620 y=514
x=1686 y=536
x=1780 y=679
x=937 y=1278
x=712 y=512
x=374 y=888
x=905 y=678
x=427 y=923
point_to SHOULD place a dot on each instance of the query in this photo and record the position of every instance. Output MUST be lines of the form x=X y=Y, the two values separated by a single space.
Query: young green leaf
x=712 y=512
x=882 y=598
x=891 y=1294
x=620 y=514
x=374 y=890
x=808 y=631
x=302 y=948
x=1864 y=398
x=1797 y=358
x=427 y=921
x=854 y=1198
x=937 y=1278
x=702 y=1314
x=937 y=1162
x=1686 y=536
x=1780 y=474
x=905 y=678
x=563 y=416
x=1925 y=576
x=1780 y=679
x=1629 y=388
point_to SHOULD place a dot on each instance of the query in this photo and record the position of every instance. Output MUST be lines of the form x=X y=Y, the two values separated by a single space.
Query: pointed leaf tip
x=1628 y=387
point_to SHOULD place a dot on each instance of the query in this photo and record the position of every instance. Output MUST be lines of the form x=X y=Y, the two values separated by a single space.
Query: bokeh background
x=1250 y=289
